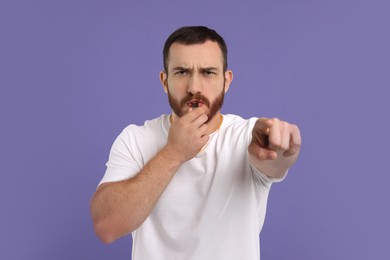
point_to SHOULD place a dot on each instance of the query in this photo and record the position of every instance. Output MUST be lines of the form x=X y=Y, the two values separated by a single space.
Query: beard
x=180 y=107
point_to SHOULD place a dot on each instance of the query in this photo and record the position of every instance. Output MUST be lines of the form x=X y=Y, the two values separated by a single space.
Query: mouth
x=195 y=103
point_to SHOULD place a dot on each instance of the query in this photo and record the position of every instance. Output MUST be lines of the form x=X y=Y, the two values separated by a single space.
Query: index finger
x=194 y=114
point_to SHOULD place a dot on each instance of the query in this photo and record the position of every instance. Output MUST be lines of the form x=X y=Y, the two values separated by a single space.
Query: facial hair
x=180 y=107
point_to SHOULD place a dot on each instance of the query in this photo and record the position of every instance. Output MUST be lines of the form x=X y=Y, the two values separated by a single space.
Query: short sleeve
x=121 y=164
x=264 y=178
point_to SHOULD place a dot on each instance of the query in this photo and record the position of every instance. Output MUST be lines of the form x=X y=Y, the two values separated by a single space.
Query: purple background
x=73 y=74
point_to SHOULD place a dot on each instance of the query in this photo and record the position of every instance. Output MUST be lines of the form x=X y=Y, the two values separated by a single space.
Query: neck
x=213 y=125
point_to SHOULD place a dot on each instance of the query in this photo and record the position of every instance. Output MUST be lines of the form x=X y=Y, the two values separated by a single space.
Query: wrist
x=170 y=155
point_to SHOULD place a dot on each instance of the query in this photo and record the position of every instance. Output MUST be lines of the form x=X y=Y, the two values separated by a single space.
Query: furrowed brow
x=179 y=68
x=215 y=69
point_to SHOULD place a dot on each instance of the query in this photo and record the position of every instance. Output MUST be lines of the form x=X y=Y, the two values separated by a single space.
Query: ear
x=164 y=81
x=228 y=79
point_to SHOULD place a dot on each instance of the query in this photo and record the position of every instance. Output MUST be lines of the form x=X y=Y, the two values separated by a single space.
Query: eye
x=209 y=73
x=181 y=72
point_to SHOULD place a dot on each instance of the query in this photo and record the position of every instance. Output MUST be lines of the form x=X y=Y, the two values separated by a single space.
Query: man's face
x=195 y=78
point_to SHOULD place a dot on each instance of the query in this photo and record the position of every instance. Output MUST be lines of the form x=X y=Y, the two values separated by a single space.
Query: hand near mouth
x=187 y=134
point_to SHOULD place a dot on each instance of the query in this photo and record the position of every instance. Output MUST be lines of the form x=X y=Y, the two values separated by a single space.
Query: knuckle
x=262 y=119
x=294 y=127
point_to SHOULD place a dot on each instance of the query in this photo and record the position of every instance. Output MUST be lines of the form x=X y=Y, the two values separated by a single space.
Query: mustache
x=195 y=96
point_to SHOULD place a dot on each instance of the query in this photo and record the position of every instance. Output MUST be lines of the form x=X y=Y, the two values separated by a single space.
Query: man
x=193 y=184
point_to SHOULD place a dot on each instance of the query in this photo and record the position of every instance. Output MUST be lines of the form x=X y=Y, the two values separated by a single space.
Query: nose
x=194 y=84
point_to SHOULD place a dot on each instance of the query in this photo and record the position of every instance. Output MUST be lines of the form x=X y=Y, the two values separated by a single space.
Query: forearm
x=275 y=168
x=121 y=207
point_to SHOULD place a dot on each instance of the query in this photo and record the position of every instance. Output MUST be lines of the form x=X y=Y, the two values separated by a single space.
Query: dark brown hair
x=193 y=35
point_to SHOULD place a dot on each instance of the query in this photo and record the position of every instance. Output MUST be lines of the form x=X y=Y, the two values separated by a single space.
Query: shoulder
x=155 y=125
x=149 y=132
x=236 y=122
x=143 y=139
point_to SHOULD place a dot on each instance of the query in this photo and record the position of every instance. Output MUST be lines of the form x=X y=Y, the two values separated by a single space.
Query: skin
x=119 y=208
x=196 y=69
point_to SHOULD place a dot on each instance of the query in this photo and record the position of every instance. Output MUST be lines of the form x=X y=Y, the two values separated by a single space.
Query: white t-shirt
x=213 y=208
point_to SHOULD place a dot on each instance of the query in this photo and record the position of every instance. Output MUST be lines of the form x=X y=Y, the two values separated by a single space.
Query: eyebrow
x=201 y=69
x=180 y=68
x=209 y=68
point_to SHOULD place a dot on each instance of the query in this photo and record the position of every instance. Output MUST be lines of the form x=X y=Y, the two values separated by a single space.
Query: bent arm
x=121 y=207
x=118 y=208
